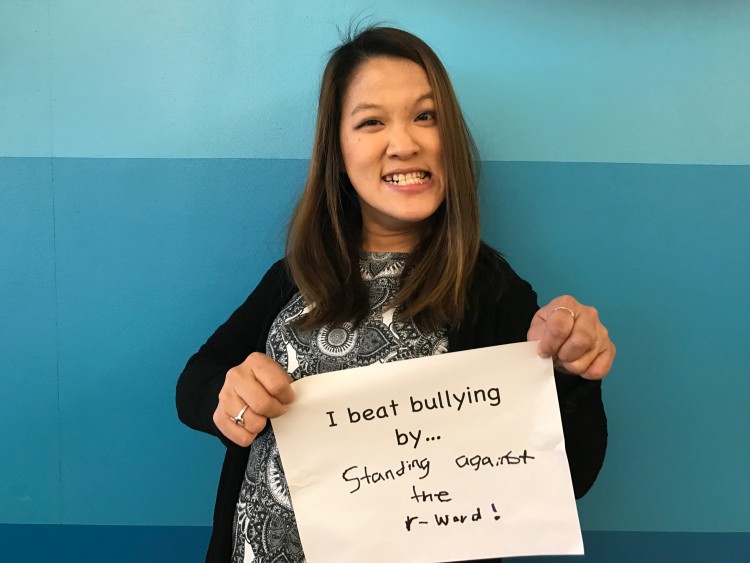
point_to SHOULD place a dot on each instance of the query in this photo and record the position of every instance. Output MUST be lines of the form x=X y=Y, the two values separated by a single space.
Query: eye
x=368 y=123
x=427 y=116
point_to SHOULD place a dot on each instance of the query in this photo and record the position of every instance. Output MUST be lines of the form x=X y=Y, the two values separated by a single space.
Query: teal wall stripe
x=662 y=252
x=29 y=407
x=142 y=258
x=96 y=544
x=165 y=544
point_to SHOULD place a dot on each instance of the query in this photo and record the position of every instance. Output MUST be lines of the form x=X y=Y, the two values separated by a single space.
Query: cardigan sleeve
x=500 y=313
x=244 y=332
x=581 y=410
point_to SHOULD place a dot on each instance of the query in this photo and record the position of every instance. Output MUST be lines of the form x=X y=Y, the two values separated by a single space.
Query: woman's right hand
x=260 y=383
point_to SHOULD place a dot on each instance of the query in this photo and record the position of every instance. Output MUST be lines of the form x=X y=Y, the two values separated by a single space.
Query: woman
x=384 y=262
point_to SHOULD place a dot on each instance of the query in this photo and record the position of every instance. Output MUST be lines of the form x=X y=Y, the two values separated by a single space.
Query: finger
x=275 y=380
x=252 y=422
x=252 y=392
x=584 y=338
x=242 y=381
x=536 y=328
x=237 y=434
x=231 y=406
x=601 y=365
x=558 y=327
x=564 y=303
x=593 y=365
x=236 y=408
x=580 y=365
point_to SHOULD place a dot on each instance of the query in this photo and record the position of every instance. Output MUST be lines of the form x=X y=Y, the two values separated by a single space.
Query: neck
x=376 y=239
x=389 y=242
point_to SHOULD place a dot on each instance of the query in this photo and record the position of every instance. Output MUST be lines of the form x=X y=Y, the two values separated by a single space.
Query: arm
x=581 y=410
x=242 y=334
x=584 y=426
x=500 y=312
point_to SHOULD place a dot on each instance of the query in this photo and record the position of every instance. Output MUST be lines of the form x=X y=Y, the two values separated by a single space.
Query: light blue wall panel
x=152 y=256
x=585 y=81
x=176 y=79
x=662 y=252
x=603 y=81
x=25 y=82
x=29 y=414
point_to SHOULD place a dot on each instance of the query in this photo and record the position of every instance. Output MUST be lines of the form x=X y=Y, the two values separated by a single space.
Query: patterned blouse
x=264 y=527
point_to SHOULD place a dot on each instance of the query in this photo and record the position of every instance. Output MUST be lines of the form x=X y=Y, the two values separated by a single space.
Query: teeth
x=407 y=179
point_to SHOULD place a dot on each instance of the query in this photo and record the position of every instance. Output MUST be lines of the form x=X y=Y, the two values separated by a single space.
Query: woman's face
x=390 y=142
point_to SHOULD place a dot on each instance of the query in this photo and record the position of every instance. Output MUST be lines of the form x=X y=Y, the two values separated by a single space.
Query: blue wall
x=149 y=157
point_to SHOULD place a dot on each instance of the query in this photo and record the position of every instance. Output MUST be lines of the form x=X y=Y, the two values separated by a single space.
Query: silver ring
x=572 y=314
x=238 y=420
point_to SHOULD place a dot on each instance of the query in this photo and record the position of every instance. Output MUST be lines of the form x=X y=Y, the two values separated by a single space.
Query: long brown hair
x=324 y=238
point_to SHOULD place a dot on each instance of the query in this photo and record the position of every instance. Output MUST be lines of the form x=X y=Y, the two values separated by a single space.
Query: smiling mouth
x=409 y=179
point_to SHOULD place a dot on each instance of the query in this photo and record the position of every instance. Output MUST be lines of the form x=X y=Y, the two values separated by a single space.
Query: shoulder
x=494 y=279
x=500 y=305
x=276 y=283
x=278 y=274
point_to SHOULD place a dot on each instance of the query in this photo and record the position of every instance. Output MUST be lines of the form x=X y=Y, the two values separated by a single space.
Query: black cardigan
x=500 y=310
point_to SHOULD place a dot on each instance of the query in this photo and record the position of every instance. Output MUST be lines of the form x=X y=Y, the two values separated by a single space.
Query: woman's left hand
x=575 y=338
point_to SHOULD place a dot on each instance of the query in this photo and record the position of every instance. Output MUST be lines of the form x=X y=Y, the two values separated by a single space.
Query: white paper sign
x=451 y=457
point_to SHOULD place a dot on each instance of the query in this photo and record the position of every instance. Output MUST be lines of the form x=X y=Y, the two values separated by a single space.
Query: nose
x=401 y=143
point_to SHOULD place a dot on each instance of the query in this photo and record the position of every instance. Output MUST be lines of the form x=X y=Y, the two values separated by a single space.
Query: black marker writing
x=330 y=415
x=372 y=414
x=478 y=461
x=446 y=400
x=424 y=496
x=445 y=519
x=366 y=476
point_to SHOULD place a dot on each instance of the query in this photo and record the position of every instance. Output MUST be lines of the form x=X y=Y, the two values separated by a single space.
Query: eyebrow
x=365 y=105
